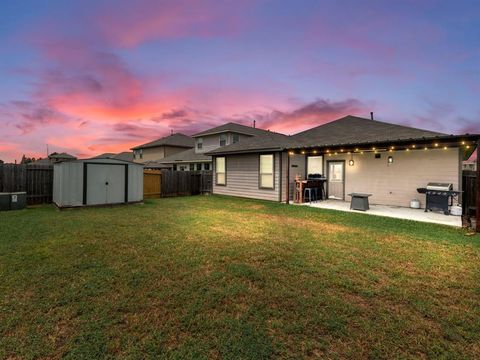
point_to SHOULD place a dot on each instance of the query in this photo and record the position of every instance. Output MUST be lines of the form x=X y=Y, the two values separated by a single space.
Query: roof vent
x=371 y=115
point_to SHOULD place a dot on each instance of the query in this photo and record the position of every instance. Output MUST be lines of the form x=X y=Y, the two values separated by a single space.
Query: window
x=223 y=139
x=138 y=154
x=175 y=167
x=314 y=165
x=199 y=166
x=200 y=143
x=234 y=138
x=266 y=171
x=192 y=167
x=335 y=172
x=220 y=171
x=206 y=166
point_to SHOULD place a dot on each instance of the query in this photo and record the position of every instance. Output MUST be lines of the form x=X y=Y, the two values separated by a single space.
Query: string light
x=361 y=152
x=328 y=151
x=341 y=150
x=291 y=153
x=444 y=148
x=393 y=147
x=463 y=142
x=373 y=148
x=425 y=148
x=303 y=152
x=356 y=149
x=468 y=146
x=414 y=146
x=436 y=144
x=408 y=149
x=335 y=153
x=314 y=151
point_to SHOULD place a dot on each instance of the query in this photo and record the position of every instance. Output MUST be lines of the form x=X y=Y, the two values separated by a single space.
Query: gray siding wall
x=242 y=178
x=212 y=142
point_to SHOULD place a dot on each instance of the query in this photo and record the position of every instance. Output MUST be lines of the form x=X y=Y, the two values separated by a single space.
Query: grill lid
x=439 y=186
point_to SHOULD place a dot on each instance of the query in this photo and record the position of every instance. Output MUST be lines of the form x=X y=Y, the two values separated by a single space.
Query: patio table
x=359 y=201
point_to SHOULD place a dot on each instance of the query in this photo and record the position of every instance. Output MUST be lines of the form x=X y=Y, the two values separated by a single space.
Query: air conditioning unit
x=4 y=201
x=18 y=200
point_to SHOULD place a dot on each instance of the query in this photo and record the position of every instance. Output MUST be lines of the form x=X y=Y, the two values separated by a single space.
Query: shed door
x=105 y=184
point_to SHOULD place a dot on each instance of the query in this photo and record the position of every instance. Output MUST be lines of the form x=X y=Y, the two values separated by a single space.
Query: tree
x=2 y=162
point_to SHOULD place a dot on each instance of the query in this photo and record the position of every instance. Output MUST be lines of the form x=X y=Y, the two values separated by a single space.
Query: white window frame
x=308 y=164
x=260 y=174
x=223 y=137
x=199 y=143
x=224 y=183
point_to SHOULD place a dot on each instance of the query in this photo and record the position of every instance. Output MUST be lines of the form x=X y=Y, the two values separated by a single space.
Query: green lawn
x=216 y=277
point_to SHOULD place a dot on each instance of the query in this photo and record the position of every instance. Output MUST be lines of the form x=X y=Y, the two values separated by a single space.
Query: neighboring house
x=161 y=148
x=125 y=155
x=470 y=165
x=54 y=158
x=211 y=139
x=355 y=154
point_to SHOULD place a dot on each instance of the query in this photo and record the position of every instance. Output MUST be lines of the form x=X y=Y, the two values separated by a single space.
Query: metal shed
x=97 y=182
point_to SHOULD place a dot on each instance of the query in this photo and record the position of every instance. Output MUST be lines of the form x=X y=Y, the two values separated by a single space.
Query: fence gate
x=152 y=184
x=469 y=196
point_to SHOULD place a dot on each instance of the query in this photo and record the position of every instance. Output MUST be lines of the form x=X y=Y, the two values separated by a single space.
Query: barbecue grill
x=439 y=196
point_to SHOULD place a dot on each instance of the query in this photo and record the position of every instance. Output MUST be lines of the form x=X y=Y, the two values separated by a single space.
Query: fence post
x=478 y=187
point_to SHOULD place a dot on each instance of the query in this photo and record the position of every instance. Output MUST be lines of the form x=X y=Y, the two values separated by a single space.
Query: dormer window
x=200 y=143
x=235 y=138
x=223 y=139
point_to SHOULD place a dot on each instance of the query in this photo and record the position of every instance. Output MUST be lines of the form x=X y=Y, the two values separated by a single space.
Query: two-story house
x=162 y=148
x=205 y=141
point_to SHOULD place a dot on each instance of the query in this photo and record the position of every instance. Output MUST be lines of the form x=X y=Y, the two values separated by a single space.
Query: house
x=211 y=139
x=124 y=155
x=355 y=154
x=470 y=165
x=54 y=158
x=163 y=147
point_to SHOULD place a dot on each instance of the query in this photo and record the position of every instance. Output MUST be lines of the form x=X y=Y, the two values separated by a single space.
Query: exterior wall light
x=351 y=163
x=390 y=159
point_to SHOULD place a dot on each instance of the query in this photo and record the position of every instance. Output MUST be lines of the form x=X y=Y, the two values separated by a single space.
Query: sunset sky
x=95 y=76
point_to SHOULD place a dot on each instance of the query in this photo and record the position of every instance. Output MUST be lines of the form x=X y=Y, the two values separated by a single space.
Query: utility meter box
x=4 y=201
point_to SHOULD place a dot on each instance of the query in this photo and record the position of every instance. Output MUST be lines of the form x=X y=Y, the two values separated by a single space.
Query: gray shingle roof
x=357 y=130
x=349 y=130
x=184 y=156
x=177 y=139
x=232 y=127
x=125 y=155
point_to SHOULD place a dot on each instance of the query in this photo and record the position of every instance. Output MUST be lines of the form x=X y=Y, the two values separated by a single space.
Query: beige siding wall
x=242 y=178
x=397 y=183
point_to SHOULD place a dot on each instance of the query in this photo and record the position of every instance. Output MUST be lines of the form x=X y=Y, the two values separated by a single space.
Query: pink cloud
x=130 y=23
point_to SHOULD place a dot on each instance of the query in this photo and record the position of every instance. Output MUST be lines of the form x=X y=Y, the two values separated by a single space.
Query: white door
x=336 y=181
x=105 y=184
x=116 y=184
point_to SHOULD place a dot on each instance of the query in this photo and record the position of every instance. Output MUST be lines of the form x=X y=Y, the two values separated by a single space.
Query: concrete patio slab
x=393 y=212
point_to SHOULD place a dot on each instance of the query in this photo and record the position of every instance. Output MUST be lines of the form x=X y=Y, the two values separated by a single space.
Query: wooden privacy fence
x=36 y=180
x=180 y=183
x=152 y=184
x=469 y=196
